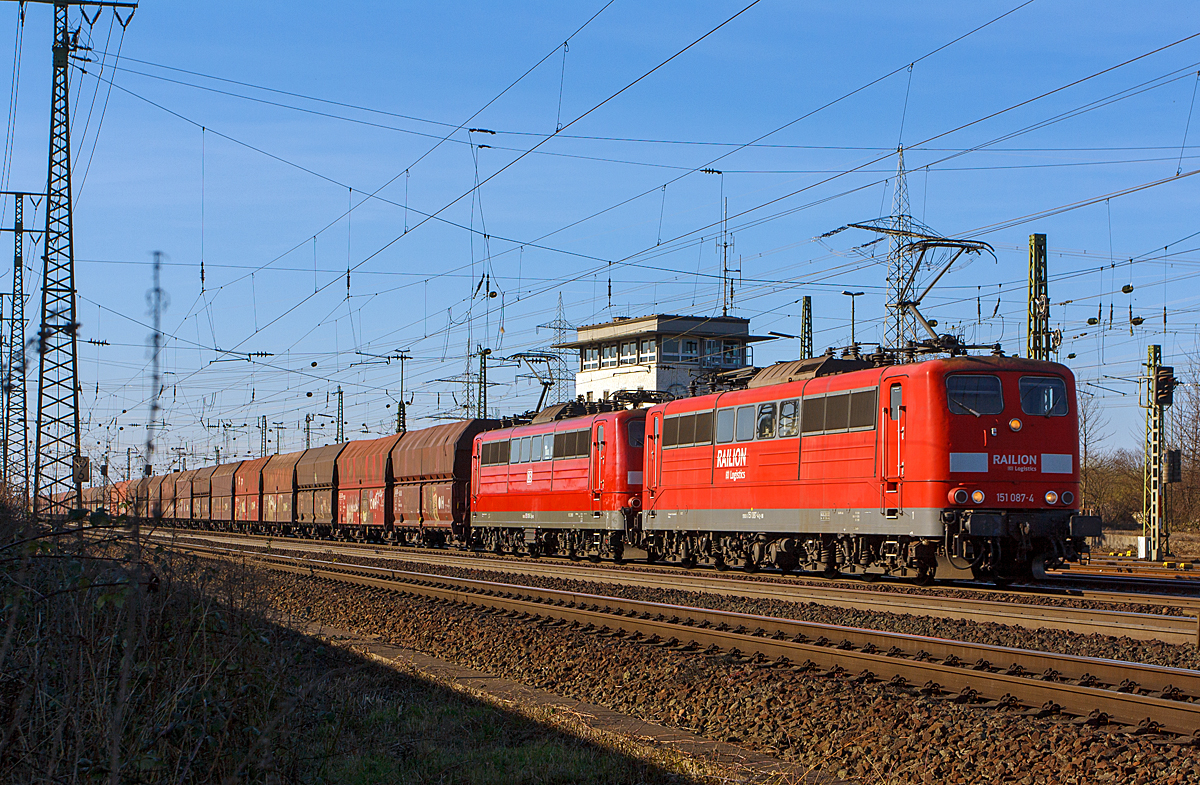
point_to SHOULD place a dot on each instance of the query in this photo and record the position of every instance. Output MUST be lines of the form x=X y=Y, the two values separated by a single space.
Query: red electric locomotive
x=559 y=486
x=956 y=466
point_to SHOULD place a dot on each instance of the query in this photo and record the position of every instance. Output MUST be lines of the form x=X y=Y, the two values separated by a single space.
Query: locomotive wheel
x=719 y=563
x=1037 y=566
x=688 y=562
x=925 y=575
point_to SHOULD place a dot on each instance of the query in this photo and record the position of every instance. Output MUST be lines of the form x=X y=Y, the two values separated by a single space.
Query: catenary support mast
x=59 y=466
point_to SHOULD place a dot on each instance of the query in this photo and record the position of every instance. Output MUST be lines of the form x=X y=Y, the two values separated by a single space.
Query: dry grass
x=121 y=663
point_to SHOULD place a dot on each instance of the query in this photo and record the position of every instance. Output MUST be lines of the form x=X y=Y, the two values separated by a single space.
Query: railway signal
x=1160 y=380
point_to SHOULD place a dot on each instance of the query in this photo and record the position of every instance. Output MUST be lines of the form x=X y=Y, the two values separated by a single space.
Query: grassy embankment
x=124 y=663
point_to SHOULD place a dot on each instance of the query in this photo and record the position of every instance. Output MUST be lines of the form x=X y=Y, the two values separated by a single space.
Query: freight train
x=957 y=466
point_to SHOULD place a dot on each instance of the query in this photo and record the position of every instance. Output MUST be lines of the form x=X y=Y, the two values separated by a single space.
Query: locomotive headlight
x=1051 y=497
x=1067 y=497
x=960 y=496
x=978 y=497
x=1014 y=424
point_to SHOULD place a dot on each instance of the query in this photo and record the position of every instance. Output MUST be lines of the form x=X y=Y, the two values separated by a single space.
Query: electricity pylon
x=59 y=466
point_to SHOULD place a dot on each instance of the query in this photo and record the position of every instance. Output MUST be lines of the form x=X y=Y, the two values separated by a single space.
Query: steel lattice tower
x=59 y=467
x=901 y=327
x=57 y=452
x=15 y=429
x=560 y=367
x=806 y=331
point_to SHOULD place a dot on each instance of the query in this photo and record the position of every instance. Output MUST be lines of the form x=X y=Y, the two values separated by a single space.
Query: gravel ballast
x=869 y=732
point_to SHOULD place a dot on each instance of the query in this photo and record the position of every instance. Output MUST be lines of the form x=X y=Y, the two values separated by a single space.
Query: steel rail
x=1149 y=696
x=1059 y=588
x=1139 y=626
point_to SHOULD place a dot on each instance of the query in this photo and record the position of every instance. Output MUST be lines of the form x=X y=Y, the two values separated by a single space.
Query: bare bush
x=125 y=664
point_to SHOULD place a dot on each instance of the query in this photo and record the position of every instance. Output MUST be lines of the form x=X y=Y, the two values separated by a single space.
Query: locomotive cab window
x=637 y=433
x=535 y=448
x=766 y=421
x=725 y=419
x=974 y=394
x=1044 y=395
x=789 y=424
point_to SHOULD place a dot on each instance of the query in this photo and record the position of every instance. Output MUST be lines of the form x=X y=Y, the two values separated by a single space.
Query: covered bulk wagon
x=279 y=491
x=316 y=489
x=202 y=493
x=432 y=468
x=167 y=496
x=154 y=503
x=118 y=498
x=183 y=495
x=221 y=509
x=247 y=494
x=139 y=492
x=364 y=486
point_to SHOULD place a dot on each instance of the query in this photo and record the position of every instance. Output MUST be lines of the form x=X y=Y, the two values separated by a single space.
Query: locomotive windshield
x=637 y=433
x=1044 y=395
x=974 y=394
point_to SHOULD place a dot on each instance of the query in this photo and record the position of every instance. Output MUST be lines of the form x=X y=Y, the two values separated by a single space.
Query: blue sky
x=187 y=154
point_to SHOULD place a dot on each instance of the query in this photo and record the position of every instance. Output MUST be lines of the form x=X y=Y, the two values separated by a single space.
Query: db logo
x=529 y=476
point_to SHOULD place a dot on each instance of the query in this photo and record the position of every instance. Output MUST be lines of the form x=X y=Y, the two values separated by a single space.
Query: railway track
x=1148 y=697
x=1060 y=584
x=1177 y=570
x=1141 y=626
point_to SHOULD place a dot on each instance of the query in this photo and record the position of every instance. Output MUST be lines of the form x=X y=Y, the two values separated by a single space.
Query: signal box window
x=670 y=348
x=1044 y=395
x=591 y=358
x=608 y=356
x=789 y=424
x=732 y=356
x=974 y=394
x=766 y=421
x=647 y=351
x=629 y=353
x=745 y=423
x=689 y=349
x=725 y=419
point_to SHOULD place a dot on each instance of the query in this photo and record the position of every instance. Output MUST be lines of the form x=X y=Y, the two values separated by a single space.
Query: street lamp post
x=853 y=337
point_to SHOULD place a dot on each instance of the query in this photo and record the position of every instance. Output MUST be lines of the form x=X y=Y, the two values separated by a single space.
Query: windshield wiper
x=963 y=405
